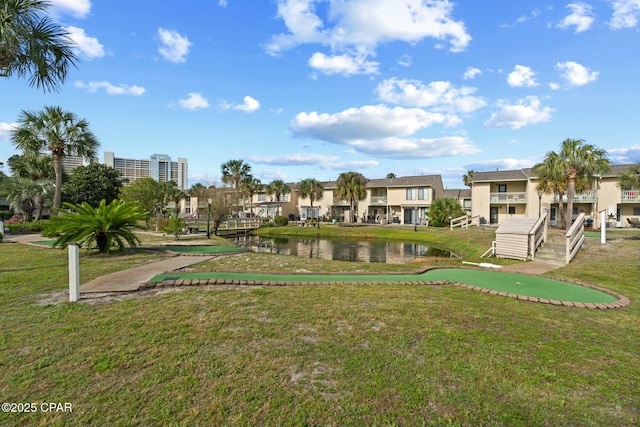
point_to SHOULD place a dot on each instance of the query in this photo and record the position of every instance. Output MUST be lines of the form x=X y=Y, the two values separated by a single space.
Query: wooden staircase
x=552 y=251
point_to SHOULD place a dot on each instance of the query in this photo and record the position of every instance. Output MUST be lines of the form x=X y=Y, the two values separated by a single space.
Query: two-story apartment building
x=402 y=200
x=497 y=195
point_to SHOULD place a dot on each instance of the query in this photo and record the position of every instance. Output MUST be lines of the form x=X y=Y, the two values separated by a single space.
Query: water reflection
x=389 y=252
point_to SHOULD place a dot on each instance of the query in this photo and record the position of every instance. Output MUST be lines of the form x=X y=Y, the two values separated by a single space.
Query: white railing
x=538 y=235
x=508 y=197
x=464 y=221
x=574 y=238
x=630 y=196
x=589 y=196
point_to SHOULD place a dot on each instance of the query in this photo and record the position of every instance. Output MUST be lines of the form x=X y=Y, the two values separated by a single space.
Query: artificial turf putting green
x=512 y=283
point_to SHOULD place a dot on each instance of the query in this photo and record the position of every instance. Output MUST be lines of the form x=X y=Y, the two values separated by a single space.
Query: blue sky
x=313 y=88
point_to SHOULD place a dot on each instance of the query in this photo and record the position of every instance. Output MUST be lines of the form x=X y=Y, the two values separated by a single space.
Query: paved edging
x=622 y=301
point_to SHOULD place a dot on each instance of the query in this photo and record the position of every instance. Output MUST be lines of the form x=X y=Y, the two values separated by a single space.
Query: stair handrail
x=539 y=235
x=574 y=238
x=464 y=221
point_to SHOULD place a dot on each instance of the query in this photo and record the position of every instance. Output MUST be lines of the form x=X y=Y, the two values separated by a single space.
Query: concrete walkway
x=129 y=280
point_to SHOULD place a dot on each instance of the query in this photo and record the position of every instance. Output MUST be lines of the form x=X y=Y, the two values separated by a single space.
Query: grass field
x=335 y=355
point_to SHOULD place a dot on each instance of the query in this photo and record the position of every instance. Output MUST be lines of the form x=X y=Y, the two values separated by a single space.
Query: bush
x=25 y=227
x=175 y=226
x=4 y=215
x=281 y=221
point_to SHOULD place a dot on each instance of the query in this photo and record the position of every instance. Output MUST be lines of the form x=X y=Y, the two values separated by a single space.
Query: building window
x=262 y=197
x=466 y=204
x=636 y=210
x=502 y=188
x=417 y=194
x=512 y=210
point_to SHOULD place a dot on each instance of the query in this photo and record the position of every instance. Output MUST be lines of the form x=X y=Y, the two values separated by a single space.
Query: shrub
x=4 y=215
x=175 y=226
x=281 y=221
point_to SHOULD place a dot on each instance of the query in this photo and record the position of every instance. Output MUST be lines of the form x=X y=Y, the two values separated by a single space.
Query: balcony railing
x=511 y=198
x=379 y=200
x=630 y=196
x=589 y=196
x=340 y=202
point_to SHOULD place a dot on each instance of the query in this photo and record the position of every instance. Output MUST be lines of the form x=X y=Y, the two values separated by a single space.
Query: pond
x=385 y=251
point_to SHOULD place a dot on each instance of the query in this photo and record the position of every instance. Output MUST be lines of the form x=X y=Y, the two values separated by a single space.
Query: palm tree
x=277 y=188
x=391 y=175
x=582 y=162
x=200 y=192
x=468 y=177
x=630 y=179
x=251 y=187
x=59 y=132
x=27 y=196
x=173 y=194
x=351 y=186
x=107 y=225
x=33 y=45
x=312 y=189
x=552 y=180
x=235 y=172
x=36 y=168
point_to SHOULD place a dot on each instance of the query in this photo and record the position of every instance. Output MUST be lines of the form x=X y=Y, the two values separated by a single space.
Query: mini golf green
x=510 y=283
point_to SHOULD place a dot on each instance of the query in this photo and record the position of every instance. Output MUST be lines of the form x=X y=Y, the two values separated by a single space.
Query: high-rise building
x=159 y=167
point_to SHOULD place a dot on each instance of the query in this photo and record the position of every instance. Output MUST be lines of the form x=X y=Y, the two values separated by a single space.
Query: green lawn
x=318 y=355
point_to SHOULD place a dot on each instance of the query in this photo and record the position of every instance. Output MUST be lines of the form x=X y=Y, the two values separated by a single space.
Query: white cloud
x=527 y=111
x=194 y=101
x=88 y=46
x=581 y=17
x=78 y=8
x=298 y=159
x=5 y=130
x=342 y=64
x=174 y=47
x=405 y=61
x=626 y=14
x=381 y=131
x=501 y=164
x=360 y=25
x=440 y=95
x=111 y=89
x=249 y=105
x=522 y=76
x=471 y=73
x=622 y=155
x=222 y=3
x=576 y=74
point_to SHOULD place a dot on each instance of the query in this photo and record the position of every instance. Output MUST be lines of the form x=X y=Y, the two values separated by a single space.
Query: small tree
x=221 y=207
x=105 y=226
x=443 y=210
x=148 y=194
x=92 y=184
x=175 y=226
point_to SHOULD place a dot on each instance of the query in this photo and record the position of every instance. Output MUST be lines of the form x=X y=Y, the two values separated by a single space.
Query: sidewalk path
x=129 y=280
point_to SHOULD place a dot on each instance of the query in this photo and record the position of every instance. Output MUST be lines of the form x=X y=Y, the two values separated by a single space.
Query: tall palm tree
x=33 y=45
x=351 y=186
x=277 y=188
x=312 y=189
x=582 y=162
x=468 y=177
x=200 y=192
x=552 y=180
x=252 y=186
x=235 y=172
x=58 y=131
x=173 y=194
x=630 y=179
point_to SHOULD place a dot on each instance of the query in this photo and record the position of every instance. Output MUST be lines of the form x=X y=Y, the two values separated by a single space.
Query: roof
x=403 y=181
x=457 y=193
x=508 y=175
x=518 y=225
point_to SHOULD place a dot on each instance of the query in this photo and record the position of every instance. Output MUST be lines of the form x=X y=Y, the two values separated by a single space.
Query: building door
x=493 y=215
x=409 y=216
x=553 y=217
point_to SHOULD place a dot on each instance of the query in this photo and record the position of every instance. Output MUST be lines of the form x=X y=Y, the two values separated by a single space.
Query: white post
x=74 y=272
x=603 y=226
